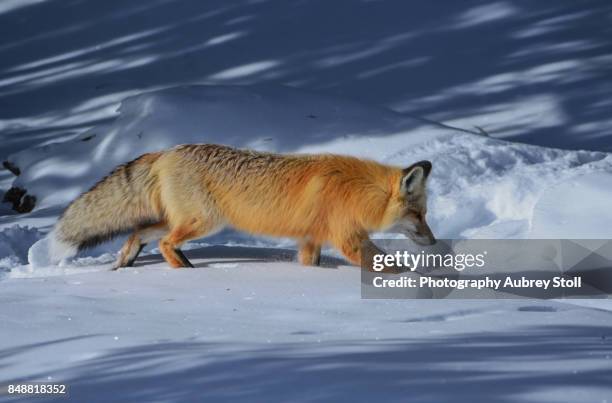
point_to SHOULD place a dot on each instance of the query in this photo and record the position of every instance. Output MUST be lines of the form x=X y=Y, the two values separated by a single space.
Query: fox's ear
x=415 y=176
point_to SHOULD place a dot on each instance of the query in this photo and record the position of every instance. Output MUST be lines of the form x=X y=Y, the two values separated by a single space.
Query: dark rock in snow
x=21 y=201
x=11 y=167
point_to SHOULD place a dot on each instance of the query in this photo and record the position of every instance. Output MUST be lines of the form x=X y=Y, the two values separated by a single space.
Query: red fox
x=191 y=191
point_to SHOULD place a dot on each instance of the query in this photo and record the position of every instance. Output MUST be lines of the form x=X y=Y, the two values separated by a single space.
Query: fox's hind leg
x=129 y=252
x=179 y=234
x=310 y=253
x=137 y=241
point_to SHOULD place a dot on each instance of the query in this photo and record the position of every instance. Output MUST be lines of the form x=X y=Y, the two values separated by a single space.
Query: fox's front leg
x=310 y=253
x=351 y=246
x=358 y=247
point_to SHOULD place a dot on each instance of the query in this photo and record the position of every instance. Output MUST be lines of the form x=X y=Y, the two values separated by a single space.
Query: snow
x=582 y=213
x=248 y=312
x=65 y=67
x=85 y=86
x=14 y=244
x=274 y=330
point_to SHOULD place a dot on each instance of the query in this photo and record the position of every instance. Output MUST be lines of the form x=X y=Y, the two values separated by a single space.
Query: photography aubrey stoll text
x=478 y=284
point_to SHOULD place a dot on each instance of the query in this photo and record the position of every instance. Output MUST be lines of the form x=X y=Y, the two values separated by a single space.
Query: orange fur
x=195 y=190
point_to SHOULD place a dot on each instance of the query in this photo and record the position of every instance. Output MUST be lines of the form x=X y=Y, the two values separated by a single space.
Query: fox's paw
x=184 y=262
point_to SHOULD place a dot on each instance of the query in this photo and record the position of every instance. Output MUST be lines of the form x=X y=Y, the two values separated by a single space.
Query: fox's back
x=274 y=194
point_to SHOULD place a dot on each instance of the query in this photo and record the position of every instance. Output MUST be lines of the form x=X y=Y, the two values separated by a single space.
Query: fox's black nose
x=424 y=241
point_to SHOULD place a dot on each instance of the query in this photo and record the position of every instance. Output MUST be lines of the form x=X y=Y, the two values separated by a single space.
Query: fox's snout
x=427 y=233
x=421 y=234
x=424 y=240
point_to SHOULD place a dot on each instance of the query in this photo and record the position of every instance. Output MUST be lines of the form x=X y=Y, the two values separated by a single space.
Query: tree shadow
x=539 y=362
x=540 y=71
x=218 y=255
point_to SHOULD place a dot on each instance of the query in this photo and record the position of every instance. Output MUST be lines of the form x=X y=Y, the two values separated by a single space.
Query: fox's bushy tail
x=127 y=198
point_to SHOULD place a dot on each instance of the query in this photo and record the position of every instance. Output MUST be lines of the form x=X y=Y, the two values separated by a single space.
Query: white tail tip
x=50 y=251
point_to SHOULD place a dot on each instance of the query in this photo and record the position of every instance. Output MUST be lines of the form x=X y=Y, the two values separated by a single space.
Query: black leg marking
x=317 y=261
x=184 y=261
x=130 y=262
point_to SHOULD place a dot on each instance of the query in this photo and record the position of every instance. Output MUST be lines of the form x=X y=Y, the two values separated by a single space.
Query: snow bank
x=14 y=244
x=259 y=117
x=480 y=187
x=575 y=208
x=487 y=188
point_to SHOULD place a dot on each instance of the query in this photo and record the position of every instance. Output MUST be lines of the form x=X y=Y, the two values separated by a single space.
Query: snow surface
x=14 y=242
x=582 y=213
x=241 y=327
x=249 y=323
x=530 y=71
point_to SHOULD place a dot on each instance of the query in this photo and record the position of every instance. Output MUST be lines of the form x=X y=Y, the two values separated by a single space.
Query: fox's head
x=409 y=206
